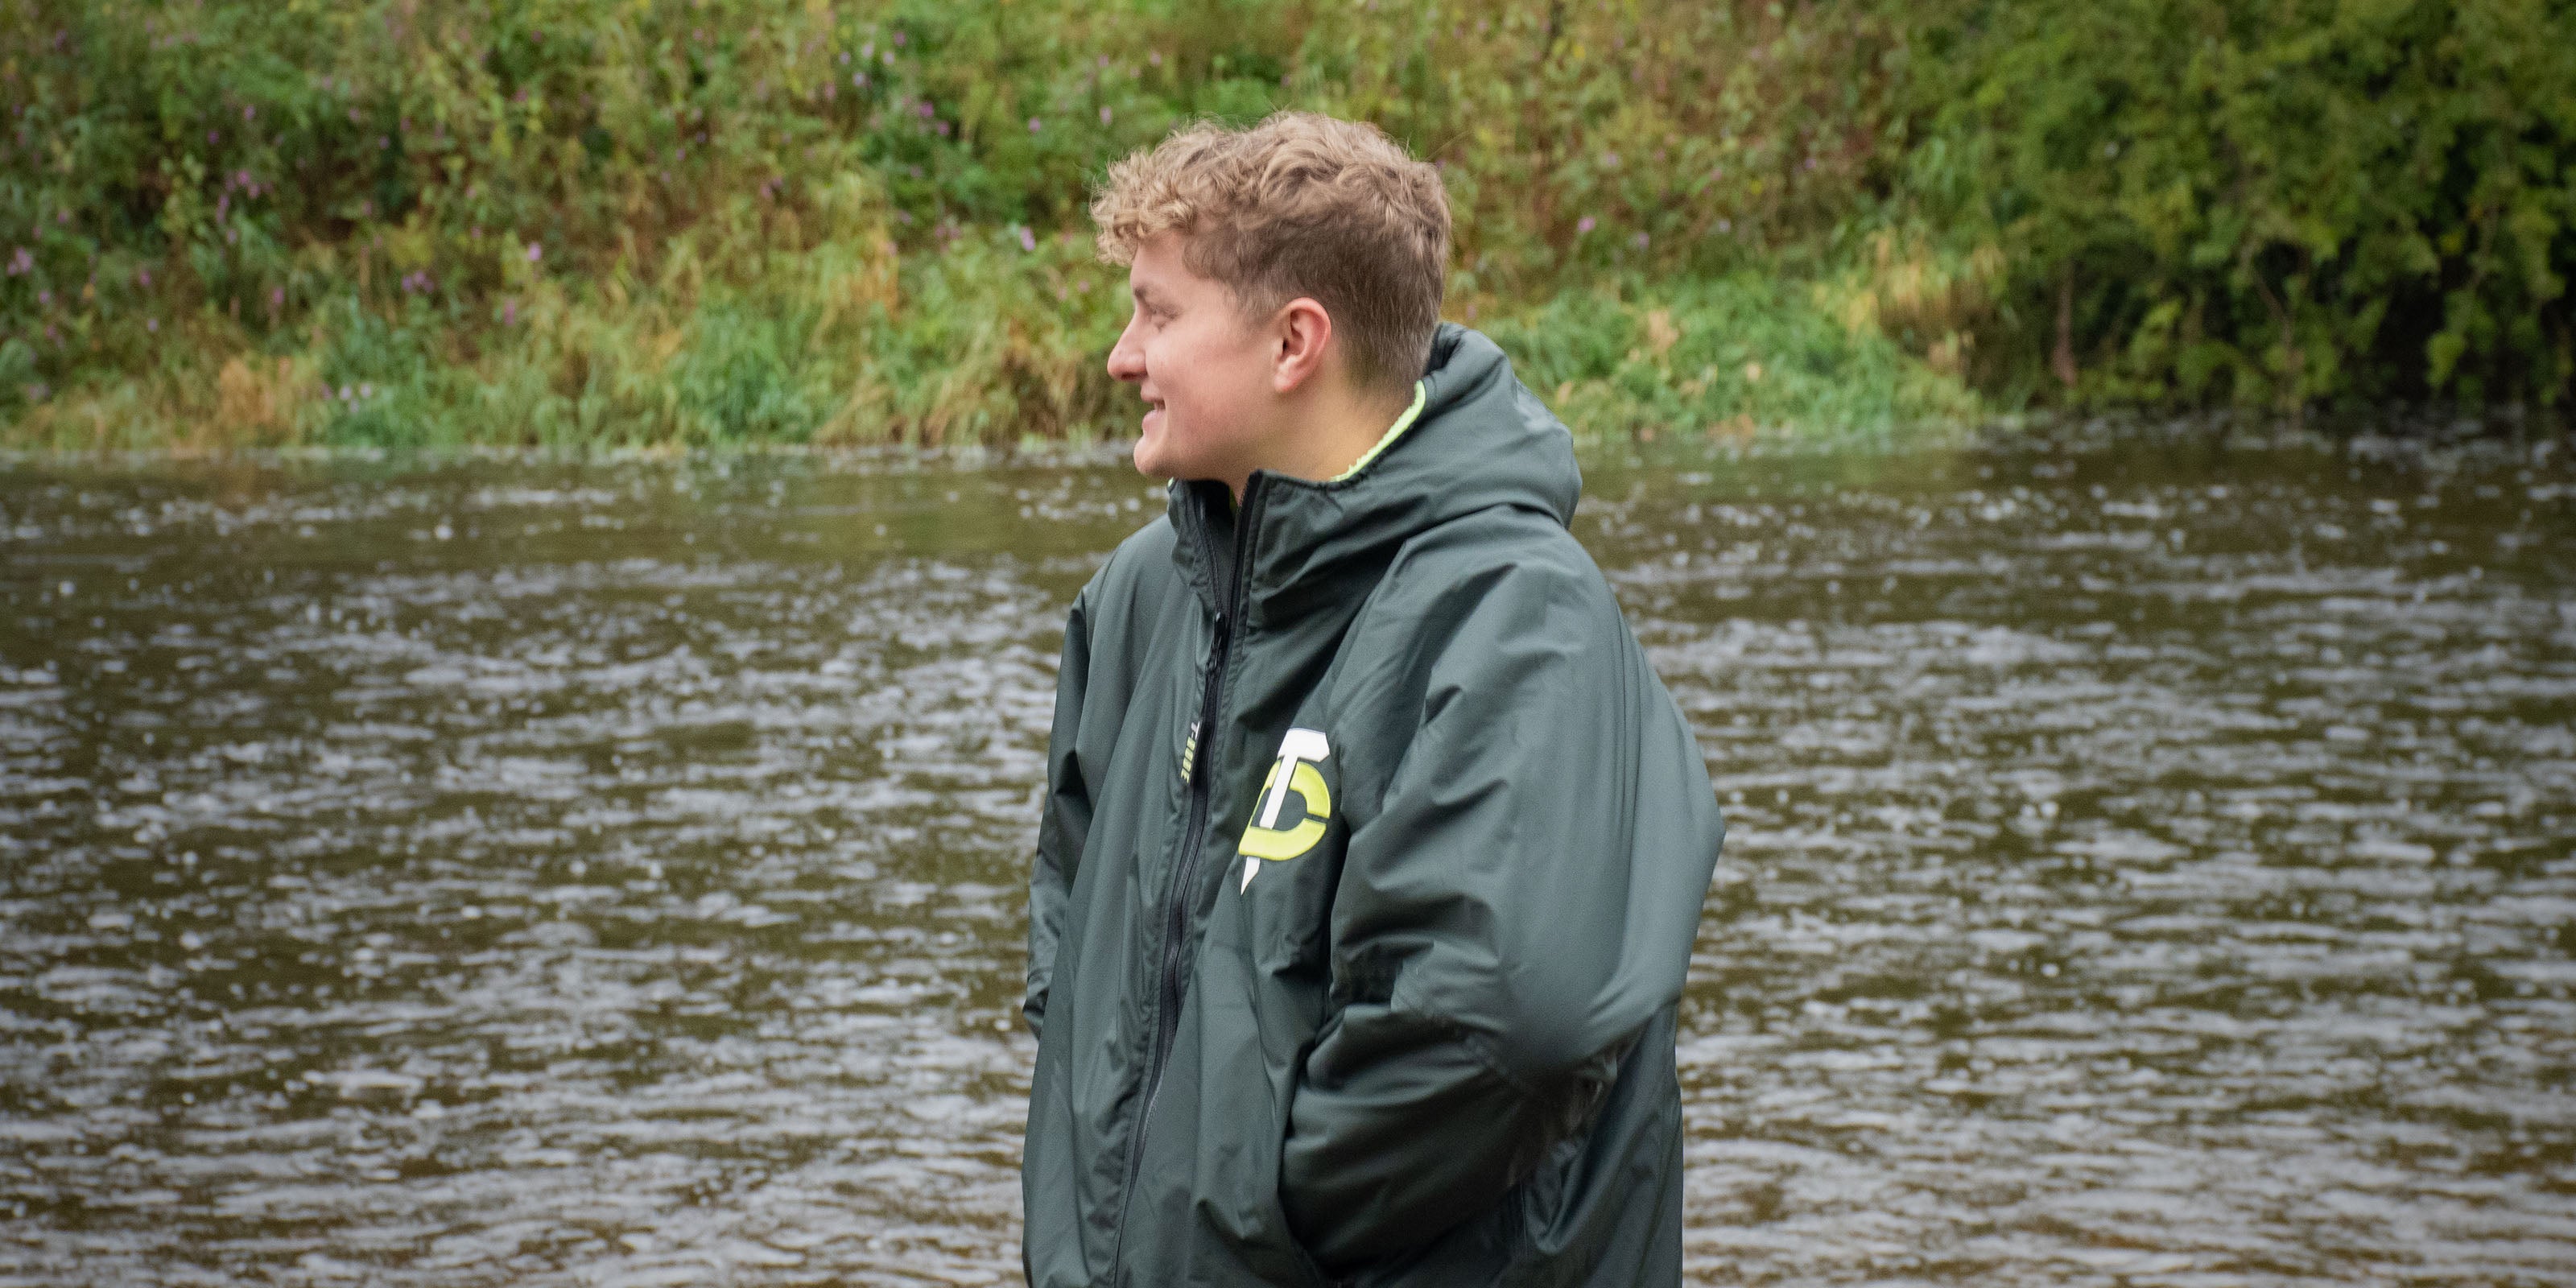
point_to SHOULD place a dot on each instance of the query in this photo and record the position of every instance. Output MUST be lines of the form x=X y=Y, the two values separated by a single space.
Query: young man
x=1372 y=849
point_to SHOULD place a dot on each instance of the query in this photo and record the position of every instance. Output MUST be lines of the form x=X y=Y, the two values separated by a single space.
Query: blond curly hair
x=1300 y=205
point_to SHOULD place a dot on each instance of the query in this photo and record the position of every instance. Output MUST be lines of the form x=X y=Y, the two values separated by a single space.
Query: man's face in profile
x=1204 y=368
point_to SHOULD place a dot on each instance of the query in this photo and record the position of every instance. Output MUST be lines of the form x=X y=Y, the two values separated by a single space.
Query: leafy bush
x=2274 y=204
x=431 y=222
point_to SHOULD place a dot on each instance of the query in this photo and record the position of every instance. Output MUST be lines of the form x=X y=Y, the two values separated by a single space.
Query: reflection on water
x=2148 y=865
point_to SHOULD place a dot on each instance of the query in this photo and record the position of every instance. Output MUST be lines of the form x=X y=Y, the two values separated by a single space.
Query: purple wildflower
x=1104 y=114
x=536 y=252
x=1583 y=225
x=152 y=324
x=276 y=296
x=858 y=80
x=1034 y=125
x=898 y=40
x=22 y=262
x=509 y=312
x=1028 y=240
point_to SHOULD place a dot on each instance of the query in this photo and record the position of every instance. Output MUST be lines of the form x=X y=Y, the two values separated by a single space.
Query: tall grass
x=573 y=222
x=576 y=222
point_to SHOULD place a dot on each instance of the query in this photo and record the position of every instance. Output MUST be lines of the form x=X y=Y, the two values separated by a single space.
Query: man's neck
x=1329 y=439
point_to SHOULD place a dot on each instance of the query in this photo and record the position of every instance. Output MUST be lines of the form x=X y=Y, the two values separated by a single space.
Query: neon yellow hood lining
x=1421 y=394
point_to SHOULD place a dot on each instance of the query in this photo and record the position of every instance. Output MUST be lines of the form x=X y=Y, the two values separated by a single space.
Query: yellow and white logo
x=1263 y=838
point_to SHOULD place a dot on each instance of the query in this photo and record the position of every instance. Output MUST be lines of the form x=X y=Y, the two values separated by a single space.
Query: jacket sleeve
x=1065 y=818
x=1522 y=904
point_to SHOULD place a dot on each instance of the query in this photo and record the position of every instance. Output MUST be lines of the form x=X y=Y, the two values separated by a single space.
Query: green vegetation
x=577 y=222
x=2283 y=204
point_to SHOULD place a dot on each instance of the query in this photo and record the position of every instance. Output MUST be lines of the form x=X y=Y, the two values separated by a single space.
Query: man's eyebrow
x=1144 y=294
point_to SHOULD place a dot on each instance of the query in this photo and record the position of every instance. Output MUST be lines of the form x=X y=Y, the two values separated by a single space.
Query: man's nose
x=1126 y=359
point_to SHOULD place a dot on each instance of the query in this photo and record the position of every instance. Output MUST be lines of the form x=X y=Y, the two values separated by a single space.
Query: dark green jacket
x=1407 y=1018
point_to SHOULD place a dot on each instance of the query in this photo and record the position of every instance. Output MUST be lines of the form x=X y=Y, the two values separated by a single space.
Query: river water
x=2151 y=863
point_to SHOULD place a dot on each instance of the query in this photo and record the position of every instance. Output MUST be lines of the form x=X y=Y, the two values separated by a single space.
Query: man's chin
x=1149 y=459
x=1155 y=459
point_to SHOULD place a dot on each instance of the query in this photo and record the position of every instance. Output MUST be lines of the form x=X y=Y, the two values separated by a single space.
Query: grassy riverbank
x=620 y=222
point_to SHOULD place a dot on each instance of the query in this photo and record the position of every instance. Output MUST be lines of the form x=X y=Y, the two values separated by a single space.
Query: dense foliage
x=575 y=221
x=2282 y=203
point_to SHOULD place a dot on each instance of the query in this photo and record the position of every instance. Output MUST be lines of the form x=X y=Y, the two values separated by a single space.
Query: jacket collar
x=1481 y=440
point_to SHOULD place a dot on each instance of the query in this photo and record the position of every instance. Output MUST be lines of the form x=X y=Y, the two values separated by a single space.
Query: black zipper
x=1181 y=894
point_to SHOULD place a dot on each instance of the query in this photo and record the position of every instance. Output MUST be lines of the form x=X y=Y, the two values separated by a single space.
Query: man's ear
x=1304 y=331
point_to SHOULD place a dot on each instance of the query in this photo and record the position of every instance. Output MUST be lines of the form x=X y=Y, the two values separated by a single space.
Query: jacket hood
x=1481 y=440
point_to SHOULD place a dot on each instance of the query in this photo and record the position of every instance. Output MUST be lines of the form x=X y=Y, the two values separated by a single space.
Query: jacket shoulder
x=1486 y=601
x=1505 y=553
